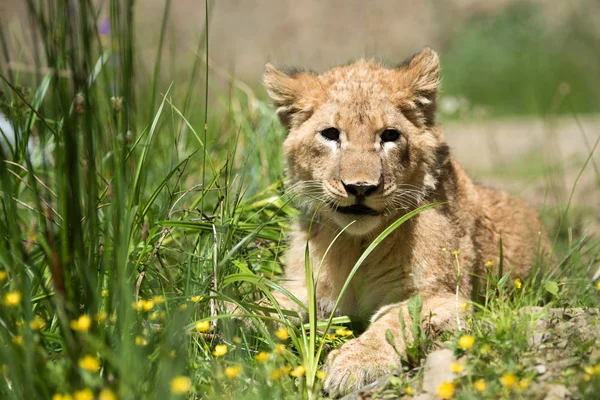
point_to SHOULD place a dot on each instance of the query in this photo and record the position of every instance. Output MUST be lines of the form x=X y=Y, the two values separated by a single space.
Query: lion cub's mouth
x=357 y=209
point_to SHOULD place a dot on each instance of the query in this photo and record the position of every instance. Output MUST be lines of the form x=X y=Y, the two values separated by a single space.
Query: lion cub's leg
x=369 y=357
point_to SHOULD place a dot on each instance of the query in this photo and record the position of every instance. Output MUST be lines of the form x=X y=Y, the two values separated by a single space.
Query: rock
x=557 y=392
x=539 y=338
x=541 y=369
x=437 y=370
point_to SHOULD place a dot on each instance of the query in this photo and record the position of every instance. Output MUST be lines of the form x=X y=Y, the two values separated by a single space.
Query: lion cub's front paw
x=358 y=363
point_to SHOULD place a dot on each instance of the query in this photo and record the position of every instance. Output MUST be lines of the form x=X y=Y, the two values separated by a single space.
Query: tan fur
x=361 y=100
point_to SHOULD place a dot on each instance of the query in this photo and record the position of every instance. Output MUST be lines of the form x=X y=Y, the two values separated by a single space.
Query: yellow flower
x=465 y=306
x=456 y=367
x=508 y=380
x=455 y=252
x=518 y=283
x=279 y=348
x=158 y=299
x=143 y=305
x=330 y=336
x=104 y=293
x=85 y=394
x=282 y=333
x=466 y=342
x=445 y=390
x=182 y=307
x=2 y=275
x=589 y=369
x=89 y=363
x=12 y=299
x=408 y=390
x=298 y=371
x=321 y=375
x=598 y=285
x=262 y=357
x=480 y=385
x=220 y=350
x=202 y=326
x=523 y=384
x=196 y=299
x=82 y=324
x=485 y=349
x=279 y=372
x=343 y=332
x=141 y=341
x=181 y=384
x=18 y=340
x=58 y=396
x=237 y=340
x=233 y=371
x=444 y=249
x=487 y=265
x=37 y=323
x=101 y=316
x=107 y=394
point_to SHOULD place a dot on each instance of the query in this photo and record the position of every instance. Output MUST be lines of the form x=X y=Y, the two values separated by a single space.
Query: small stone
x=437 y=370
x=541 y=369
x=562 y=344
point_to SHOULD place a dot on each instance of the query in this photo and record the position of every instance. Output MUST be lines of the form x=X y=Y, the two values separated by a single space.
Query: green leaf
x=551 y=287
x=503 y=280
x=415 y=305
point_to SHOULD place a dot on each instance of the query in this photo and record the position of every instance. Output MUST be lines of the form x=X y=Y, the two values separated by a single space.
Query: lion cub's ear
x=295 y=94
x=421 y=75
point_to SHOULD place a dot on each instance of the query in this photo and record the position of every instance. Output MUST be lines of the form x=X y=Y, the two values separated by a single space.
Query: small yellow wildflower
x=408 y=390
x=107 y=394
x=455 y=252
x=82 y=324
x=275 y=374
x=158 y=299
x=101 y=316
x=202 y=326
x=220 y=350
x=89 y=363
x=466 y=342
x=298 y=371
x=143 y=305
x=485 y=349
x=597 y=369
x=487 y=265
x=464 y=306
x=12 y=299
x=456 y=367
x=141 y=341
x=518 y=283
x=233 y=371
x=58 y=396
x=598 y=285
x=181 y=384
x=589 y=369
x=2 y=275
x=321 y=375
x=508 y=380
x=282 y=333
x=37 y=323
x=343 y=332
x=279 y=348
x=262 y=357
x=524 y=384
x=480 y=385
x=330 y=336
x=18 y=340
x=196 y=299
x=444 y=249
x=445 y=390
x=237 y=340
x=104 y=293
x=85 y=394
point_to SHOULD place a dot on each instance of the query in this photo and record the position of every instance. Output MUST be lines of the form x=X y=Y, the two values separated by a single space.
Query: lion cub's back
x=517 y=223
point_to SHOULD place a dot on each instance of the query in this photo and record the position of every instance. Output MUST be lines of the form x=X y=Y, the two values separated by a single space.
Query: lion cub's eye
x=390 y=135
x=331 y=134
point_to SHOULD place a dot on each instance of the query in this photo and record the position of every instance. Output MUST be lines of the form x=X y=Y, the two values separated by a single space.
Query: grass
x=124 y=240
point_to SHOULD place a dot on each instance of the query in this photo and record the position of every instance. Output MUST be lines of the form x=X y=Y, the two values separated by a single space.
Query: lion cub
x=363 y=148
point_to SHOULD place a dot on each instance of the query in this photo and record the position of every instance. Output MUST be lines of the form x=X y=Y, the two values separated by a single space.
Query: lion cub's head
x=362 y=143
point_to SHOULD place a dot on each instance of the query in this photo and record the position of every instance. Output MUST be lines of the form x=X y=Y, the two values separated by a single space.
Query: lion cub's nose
x=360 y=189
